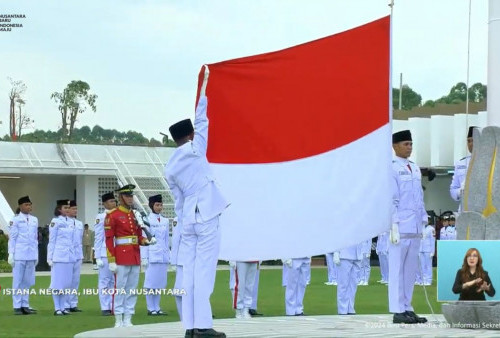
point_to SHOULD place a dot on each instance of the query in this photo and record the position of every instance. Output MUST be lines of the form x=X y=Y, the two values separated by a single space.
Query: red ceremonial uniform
x=123 y=237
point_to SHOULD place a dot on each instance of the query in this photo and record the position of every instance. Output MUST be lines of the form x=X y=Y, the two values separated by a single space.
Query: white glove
x=368 y=255
x=49 y=262
x=288 y=262
x=336 y=258
x=10 y=260
x=112 y=267
x=394 y=234
x=432 y=254
x=205 y=81
x=232 y=264
x=152 y=241
x=99 y=262
x=172 y=268
x=144 y=263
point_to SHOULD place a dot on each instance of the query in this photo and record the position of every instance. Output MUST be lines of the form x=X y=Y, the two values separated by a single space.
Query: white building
x=48 y=172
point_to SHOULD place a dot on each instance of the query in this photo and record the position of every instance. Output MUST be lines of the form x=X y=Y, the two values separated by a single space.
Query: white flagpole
x=493 y=63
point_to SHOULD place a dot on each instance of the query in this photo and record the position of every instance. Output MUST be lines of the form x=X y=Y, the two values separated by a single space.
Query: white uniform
x=459 y=176
x=364 y=272
x=61 y=251
x=106 y=279
x=409 y=212
x=443 y=234
x=296 y=285
x=242 y=288
x=198 y=204
x=331 y=269
x=451 y=232
x=255 y=293
x=158 y=257
x=427 y=248
x=382 y=252
x=348 y=272
x=23 y=246
x=72 y=300
x=176 y=259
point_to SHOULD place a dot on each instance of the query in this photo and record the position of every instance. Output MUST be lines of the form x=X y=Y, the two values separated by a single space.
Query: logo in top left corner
x=10 y=21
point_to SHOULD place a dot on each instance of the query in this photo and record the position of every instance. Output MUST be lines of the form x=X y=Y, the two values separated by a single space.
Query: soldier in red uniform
x=123 y=237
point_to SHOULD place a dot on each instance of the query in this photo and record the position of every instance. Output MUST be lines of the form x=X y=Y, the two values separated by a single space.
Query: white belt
x=122 y=241
x=408 y=235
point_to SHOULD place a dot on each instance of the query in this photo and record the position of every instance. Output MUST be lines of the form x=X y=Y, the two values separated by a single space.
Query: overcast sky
x=142 y=57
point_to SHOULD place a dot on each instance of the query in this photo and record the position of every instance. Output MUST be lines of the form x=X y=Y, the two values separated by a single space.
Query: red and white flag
x=300 y=140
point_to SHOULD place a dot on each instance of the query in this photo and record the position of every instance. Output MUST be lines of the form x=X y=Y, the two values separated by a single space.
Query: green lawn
x=320 y=299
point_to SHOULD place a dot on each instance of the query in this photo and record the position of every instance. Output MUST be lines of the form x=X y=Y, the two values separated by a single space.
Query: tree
x=74 y=100
x=458 y=93
x=17 y=90
x=409 y=97
x=477 y=92
x=24 y=121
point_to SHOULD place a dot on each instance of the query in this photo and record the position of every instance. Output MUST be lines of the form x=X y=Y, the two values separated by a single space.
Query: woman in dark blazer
x=471 y=281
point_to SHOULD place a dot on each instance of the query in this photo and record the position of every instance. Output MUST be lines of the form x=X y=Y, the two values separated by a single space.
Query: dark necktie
x=408 y=165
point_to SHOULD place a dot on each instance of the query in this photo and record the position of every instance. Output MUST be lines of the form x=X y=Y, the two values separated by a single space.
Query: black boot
x=417 y=318
x=403 y=318
x=207 y=333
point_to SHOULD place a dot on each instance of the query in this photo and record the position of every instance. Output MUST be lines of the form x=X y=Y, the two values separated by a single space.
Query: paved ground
x=307 y=326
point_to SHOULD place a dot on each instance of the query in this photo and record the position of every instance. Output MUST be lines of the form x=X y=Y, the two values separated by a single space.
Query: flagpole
x=391 y=109
x=467 y=79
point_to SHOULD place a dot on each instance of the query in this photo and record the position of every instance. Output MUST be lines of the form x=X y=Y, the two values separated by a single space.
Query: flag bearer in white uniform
x=243 y=287
x=106 y=279
x=297 y=272
x=72 y=300
x=198 y=204
x=123 y=237
x=408 y=219
x=349 y=263
x=460 y=173
x=61 y=256
x=381 y=249
x=427 y=248
x=23 y=255
x=155 y=258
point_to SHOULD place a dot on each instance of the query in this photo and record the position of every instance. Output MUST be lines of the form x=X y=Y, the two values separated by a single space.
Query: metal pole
x=493 y=63
x=400 y=90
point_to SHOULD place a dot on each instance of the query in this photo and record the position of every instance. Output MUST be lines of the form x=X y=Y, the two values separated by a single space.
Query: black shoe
x=152 y=313
x=74 y=309
x=207 y=333
x=18 y=311
x=300 y=314
x=106 y=313
x=417 y=318
x=65 y=312
x=403 y=318
x=28 y=311
x=58 y=313
x=189 y=333
x=254 y=312
x=161 y=313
